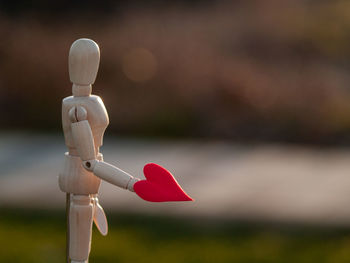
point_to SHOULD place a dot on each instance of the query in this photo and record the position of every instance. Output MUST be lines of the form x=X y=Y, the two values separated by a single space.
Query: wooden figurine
x=84 y=120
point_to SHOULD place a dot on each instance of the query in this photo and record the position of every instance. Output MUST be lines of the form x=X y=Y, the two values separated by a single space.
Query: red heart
x=159 y=186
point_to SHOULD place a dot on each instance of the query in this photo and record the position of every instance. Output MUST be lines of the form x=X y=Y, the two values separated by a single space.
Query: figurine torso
x=96 y=115
x=74 y=178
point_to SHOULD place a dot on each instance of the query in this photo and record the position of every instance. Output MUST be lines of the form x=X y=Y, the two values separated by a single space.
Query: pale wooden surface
x=90 y=120
x=80 y=230
x=84 y=140
x=278 y=183
x=84 y=59
x=113 y=175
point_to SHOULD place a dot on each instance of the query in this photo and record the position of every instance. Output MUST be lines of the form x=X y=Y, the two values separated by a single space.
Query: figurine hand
x=159 y=186
x=100 y=217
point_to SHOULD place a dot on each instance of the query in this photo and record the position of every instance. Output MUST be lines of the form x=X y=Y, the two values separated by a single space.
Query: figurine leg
x=80 y=226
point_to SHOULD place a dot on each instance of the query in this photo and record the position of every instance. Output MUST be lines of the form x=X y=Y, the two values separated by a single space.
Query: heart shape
x=159 y=186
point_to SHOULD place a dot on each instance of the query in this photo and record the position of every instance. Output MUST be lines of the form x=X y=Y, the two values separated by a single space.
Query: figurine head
x=84 y=59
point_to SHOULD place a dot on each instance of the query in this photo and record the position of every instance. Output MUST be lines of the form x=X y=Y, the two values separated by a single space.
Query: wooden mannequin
x=84 y=120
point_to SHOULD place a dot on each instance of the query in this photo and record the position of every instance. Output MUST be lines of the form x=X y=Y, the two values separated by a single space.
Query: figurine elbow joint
x=90 y=165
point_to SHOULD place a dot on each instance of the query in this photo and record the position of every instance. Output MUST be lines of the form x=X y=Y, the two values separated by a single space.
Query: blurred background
x=245 y=102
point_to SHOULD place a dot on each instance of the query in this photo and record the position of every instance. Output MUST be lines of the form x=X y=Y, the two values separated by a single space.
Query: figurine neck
x=81 y=90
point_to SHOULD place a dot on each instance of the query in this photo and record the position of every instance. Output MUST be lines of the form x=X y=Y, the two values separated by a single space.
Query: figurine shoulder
x=93 y=105
x=88 y=101
x=67 y=100
x=96 y=100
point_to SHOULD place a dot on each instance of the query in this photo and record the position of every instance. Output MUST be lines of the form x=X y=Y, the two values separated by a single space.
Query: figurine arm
x=84 y=143
x=111 y=174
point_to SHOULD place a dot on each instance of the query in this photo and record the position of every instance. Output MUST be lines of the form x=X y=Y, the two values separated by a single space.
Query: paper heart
x=159 y=186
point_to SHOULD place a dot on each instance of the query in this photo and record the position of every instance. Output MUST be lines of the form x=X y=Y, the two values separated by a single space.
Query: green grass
x=39 y=236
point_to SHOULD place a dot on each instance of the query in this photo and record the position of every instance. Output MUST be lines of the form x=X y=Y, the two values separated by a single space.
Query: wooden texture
x=75 y=179
x=80 y=220
x=100 y=218
x=84 y=59
x=84 y=120
x=113 y=175
x=96 y=116
x=84 y=140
